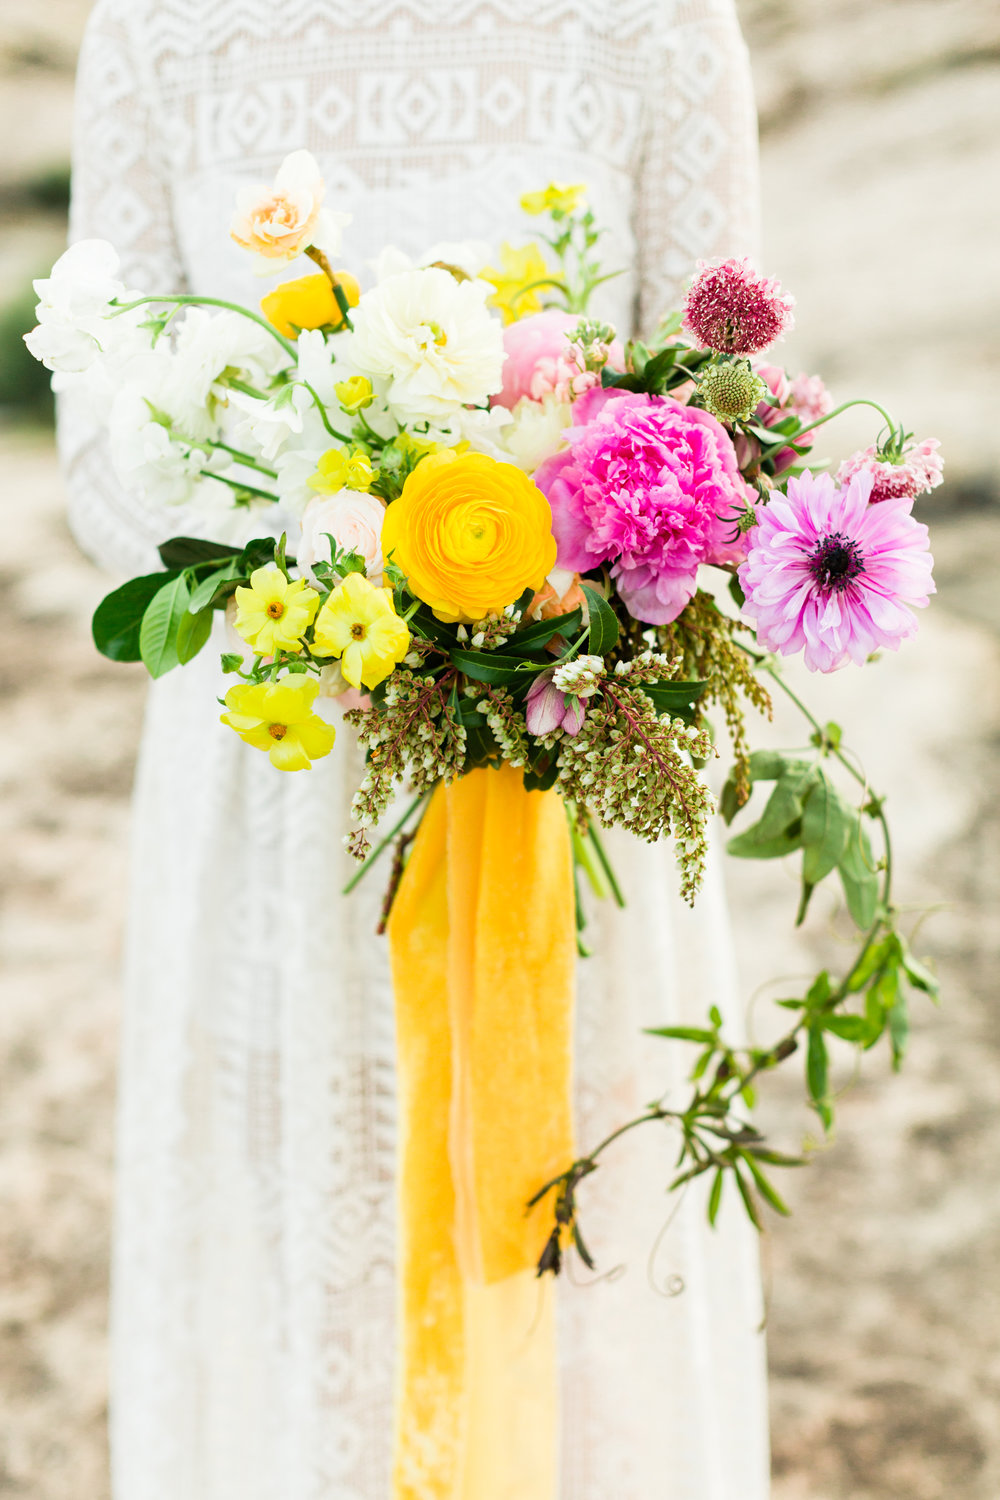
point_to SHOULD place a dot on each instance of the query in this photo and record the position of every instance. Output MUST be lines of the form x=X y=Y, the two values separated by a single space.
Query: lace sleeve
x=120 y=193
x=698 y=193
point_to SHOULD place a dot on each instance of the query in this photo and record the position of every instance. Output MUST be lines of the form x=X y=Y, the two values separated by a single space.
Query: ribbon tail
x=482 y=935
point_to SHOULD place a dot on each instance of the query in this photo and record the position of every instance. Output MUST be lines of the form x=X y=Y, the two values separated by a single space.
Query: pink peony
x=539 y=361
x=921 y=469
x=730 y=307
x=649 y=486
x=831 y=576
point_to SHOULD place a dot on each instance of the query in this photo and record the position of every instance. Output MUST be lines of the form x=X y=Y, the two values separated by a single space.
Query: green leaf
x=873 y=959
x=766 y=1189
x=825 y=826
x=858 y=876
x=715 y=1196
x=885 y=990
x=917 y=973
x=748 y=1202
x=258 y=553
x=231 y=661
x=849 y=1028
x=187 y=551
x=493 y=667
x=604 y=626
x=817 y=1067
x=819 y=991
x=768 y=765
x=657 y=369
x=118 y=617
x=682 y=1033
x=728 y=804
x=804 y=898
x=192 y=633
x=787 y=802
x=746 y=845
x=423 y=622
x=212 y=588
x=899 y=1029
x=678 y=699
x=160 y=624
x=536 y=637
x=736 y=592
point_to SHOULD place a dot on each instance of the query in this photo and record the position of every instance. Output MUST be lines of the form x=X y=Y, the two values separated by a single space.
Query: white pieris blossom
x=433 y=338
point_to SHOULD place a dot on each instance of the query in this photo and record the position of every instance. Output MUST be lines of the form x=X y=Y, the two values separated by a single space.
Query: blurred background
x=880 y=130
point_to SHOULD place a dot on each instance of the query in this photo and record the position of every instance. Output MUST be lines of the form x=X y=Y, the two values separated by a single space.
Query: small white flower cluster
x=582 y=676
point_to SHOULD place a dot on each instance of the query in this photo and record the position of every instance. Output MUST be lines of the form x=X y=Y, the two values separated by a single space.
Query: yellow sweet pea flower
x=359 y=624
x=274 y=614
x=342 y=471
x=558 y=197
x=471 y=534
x=355 y=394
x=277 y=717
x=308 y=302
x=519 y=270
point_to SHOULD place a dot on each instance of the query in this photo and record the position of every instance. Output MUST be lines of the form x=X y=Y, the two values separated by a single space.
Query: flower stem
x=191 y=301
x=383 y=844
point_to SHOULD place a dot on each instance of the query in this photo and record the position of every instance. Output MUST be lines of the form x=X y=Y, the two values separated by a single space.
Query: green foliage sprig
x=867 y=1002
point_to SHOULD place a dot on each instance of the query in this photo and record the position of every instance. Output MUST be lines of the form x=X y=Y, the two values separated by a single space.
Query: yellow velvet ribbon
x=482 y=942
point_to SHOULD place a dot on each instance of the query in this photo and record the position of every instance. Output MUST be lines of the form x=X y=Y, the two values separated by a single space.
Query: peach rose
x=278 y=223
x=354 y=519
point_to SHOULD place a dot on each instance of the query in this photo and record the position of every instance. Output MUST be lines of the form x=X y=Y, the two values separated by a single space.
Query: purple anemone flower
x=832 y=576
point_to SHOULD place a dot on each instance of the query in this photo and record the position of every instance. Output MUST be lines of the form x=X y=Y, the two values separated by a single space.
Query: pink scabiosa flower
x=649 y=486
x=831 y=576
x=919 y=468
x=547 y=709
x=731 y=308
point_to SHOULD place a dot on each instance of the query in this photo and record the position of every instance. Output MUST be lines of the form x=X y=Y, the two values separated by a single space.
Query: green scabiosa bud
x=729 y=389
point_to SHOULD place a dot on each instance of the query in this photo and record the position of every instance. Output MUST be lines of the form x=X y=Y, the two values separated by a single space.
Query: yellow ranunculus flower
x=471 y=534
x=278 y=717
x=359 y=624
x=308 y=302
x=342 y=471
x=355 y=394
x=519 y=269
x=562 y=197
x=273 y=614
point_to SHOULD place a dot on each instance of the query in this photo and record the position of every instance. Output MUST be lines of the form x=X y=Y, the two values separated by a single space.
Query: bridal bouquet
x=500 y=536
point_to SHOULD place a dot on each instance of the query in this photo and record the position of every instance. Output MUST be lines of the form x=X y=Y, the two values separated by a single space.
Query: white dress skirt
x=253 y=1289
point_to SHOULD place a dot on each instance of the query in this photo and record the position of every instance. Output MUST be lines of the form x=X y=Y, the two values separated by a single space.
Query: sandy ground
x=880 y=131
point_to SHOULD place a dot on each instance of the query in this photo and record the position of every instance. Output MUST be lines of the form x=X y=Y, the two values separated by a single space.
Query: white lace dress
x=253 y=1323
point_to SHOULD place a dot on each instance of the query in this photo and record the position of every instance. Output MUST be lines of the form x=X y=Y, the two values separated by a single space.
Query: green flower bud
x=729 y=390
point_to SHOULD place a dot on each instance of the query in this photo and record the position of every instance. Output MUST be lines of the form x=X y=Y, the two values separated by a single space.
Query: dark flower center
x=835 y=562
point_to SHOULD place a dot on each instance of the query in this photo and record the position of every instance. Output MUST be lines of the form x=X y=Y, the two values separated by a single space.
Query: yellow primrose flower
x=342 y=471
x=278 y=717
x=355 y=394
x=359 y=624
x=558 y=197
x=471 y=534
x=274 y=614
x=308 y=302
x=519 y=269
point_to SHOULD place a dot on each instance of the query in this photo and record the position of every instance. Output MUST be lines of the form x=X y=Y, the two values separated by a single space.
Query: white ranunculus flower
x=433 y=339
x=536 y=430
x=354 y=519
x=469 y=256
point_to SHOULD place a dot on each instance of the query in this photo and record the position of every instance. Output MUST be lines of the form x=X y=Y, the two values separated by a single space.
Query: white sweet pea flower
x=433 y=339
x=296 y=466
x=270 y=424
x=148 y=461
x=280 y=222
x=73 y=306
x=204 y=347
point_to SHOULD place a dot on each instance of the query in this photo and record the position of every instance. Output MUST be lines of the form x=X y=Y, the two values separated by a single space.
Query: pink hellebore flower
x=548 y=709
